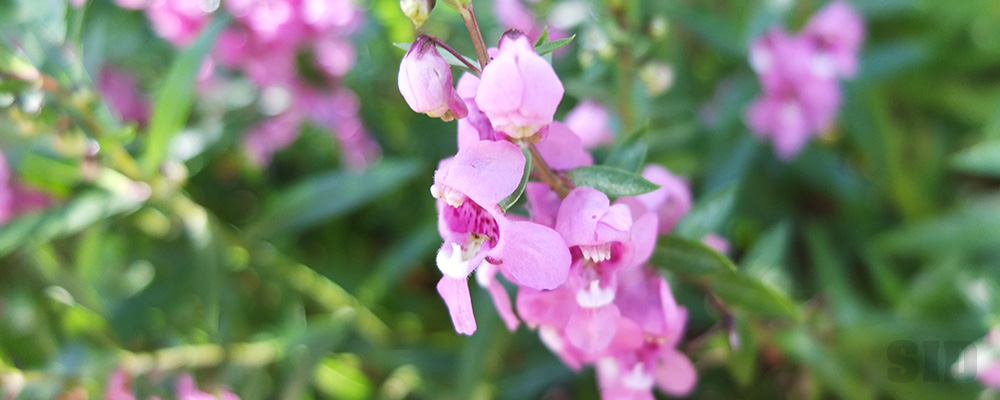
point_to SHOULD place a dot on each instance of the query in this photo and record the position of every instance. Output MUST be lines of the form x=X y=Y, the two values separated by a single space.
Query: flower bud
x=519 y=91
x=425 y=82
x=417 y=10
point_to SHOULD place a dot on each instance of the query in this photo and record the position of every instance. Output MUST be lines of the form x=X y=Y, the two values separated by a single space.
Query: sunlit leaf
x=614 y=182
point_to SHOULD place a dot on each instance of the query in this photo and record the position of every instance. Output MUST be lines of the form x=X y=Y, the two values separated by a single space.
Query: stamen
x=596 y=253
x=451 y=196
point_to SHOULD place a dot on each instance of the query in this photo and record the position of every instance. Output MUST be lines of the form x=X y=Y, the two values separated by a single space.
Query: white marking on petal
x=594 y=295
x=452 y=264
x=550 y=337
x=484 y=274
x=638 y=378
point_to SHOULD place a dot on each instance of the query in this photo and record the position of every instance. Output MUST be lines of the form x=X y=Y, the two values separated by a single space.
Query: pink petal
x=485 y=171
x=545 y=307
x=579 y=215
x=501 y=300
x=455 y=293
x=534 y=255
x=592 y=329
x=675 y=375
x=543 y=203
x=562 y=149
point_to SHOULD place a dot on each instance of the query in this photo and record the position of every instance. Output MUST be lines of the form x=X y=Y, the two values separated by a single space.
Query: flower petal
x=485 y=171
x=534 y=255
x=591 y=329
x=455 y=293
x=675 y=375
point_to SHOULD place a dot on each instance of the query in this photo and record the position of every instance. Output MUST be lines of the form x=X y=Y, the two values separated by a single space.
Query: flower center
x=451 y=196
x=596 y=253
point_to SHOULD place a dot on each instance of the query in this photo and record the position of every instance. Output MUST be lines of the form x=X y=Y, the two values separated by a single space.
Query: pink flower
x=590 y=121
x=670 y=202
x=519 y=91
x=272 y=135
x=796 y=103
x=425 y=82
x=475 y=126
x=178 y=21
x=982 y=359
x=836 y=32
x=475 y=230
x=588 y=220
x=119 y=387
x=122 y=93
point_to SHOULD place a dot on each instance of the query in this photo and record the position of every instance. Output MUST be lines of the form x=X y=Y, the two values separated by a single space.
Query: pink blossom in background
x=590 y=121
x=122 y=93
x=836 y=32
x=178 y=21
x=264 y=43
x=797 y=73
x=670 y=202
x=270 y=136
x=515 y=14
x=119 y=388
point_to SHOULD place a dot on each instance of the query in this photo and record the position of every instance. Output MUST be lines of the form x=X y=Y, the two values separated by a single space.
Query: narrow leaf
x=176 y=97
x=690 y=257
x=73 y=216
x=553 y=46
x=708 y=215
x=753 y=295
x=543 y=38
x=629 y=157
x=614 y=182
x=981 y=159
x=325 y=196
x=514 y=197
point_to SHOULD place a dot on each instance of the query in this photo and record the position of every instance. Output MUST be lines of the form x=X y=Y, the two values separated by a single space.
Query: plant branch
x=545 y=172
x=440 y=43
x=469 y=16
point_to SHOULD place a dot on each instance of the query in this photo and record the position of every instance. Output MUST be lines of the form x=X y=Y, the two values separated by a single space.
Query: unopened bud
x=417 y=10
x=425 y=82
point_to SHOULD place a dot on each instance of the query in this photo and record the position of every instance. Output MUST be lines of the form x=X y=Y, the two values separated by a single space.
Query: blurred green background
x=303 y=279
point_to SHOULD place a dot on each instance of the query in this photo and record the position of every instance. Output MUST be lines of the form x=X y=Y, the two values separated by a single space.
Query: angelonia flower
x=576 y=260
x=267 y=42
x=120 y=388
x=519 y=91
x=798 y=75
x=426 y=84
x=982 y=360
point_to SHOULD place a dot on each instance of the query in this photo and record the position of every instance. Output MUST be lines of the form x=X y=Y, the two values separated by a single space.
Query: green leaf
x=981 y=159
x=765 y=260
x=73 y=216
x=709 y=214
x=629 y=157
x=553 y=46
x=543 y=38
x=690 y=257
x=614 y=182
x=753 y=295
x=514 y=197
x=173 y=103
x=325 y=196
x=448 y=57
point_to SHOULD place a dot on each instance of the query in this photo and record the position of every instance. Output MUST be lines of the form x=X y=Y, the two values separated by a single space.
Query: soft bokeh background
x=306 y=279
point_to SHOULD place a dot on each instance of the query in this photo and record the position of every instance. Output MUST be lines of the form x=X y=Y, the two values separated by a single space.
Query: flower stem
x=545 y=172
x=440 y=43
x=469 y=16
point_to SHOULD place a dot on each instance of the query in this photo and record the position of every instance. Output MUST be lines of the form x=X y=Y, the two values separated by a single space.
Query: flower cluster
x=799 y=73
x=266 y=42
x=119 y=388
x=577 y=260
